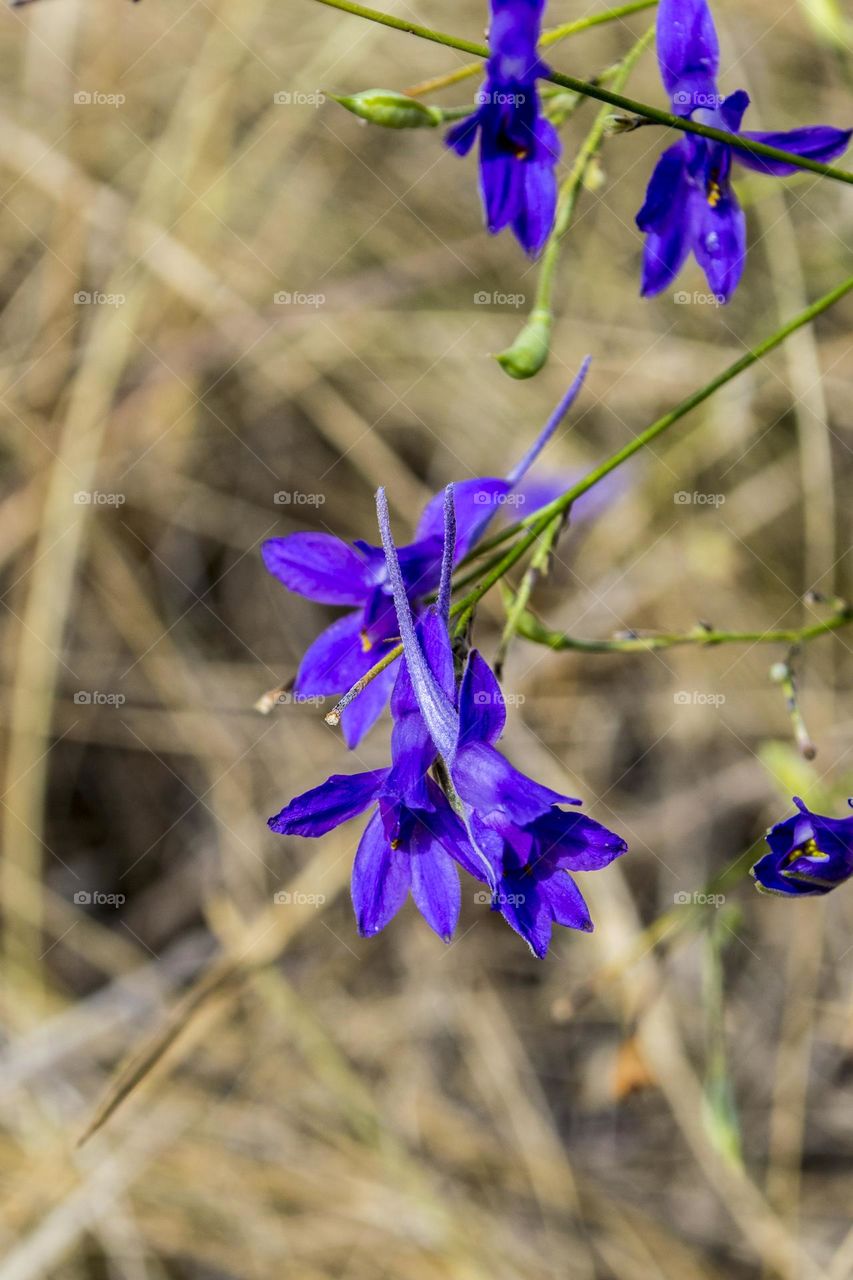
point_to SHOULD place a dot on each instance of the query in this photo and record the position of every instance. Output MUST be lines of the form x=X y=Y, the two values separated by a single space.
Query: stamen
x=715 y=193
x=366 y=642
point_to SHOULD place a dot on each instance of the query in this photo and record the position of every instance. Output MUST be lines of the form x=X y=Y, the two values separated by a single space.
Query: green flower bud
x=391 y=110
x=528 y=353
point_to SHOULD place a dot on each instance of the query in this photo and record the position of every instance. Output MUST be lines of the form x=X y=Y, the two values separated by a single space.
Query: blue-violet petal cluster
x=809 y=854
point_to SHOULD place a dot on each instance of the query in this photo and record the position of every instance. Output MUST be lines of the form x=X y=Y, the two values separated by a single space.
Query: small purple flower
x=809 y=854
x=690 y=204
x=322 y=568
x=522 y=845
x=519 y=148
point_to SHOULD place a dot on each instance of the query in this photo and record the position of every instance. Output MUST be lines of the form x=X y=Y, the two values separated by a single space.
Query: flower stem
x=549 y=38
x=597 y=91
x=702 y=637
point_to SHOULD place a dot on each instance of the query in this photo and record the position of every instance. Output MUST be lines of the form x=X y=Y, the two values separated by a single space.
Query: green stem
x=536 y=523
x=700 y=637
x=597 y=91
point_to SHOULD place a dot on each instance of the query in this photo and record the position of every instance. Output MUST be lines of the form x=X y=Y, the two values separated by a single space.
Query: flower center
x=808 y=849
x=714 y=192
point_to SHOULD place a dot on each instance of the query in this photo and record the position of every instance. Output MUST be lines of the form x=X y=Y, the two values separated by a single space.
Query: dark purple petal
x=476 y=503
x=733 y=109
x=719 y=241
x=502 y=797
x=336 y=659
x=688 y=51
x=566 y=902
x=319 y=566
x=535 y=216
x=575 y=842
x=447 y=828
x=380 y=879
x=818 y=142
x=768 y=877
x=663 y=217
x=526 y=910
x=462 y=136
x=362 y=713
x=482 y=711
x=339 y=798
x=435 y=881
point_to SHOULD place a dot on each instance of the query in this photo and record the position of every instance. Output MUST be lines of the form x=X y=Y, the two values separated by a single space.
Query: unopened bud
x=390 y=109
x=528 y=353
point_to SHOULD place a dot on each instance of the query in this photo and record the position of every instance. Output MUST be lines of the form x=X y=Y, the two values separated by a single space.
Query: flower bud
x=528 y=353
x=391 y=110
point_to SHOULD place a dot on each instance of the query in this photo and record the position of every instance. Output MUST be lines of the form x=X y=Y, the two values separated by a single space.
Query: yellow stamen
x=395 y=844
x=715 y=193
x=808 y=849
x=366 y=642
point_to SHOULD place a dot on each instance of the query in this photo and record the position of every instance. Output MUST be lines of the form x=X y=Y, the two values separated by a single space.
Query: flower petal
x=818 y=142
x=719 y=241
x=664 y=219
x=575 y=842
x=526 y=910
x=502 y=797
x=362 y=713
x=380 y=879
x=339 y=798
x=482 y=710
x=688 y=51
x=336 y=659
x=533 y=222
x=435 y=881
x=319 y=566
x=566 y=902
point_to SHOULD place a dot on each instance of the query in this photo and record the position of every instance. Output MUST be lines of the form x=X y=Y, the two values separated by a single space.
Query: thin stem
x=597 y=91
x=700 y=637
x=549 y=38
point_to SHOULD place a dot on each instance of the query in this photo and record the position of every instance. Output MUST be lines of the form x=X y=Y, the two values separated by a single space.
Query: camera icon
x=482 y=299
x=282 y=99
x=682 y=498
x=282 y=898
x=82 y=298
x=483 y=896
x=82 y=98
x=283 y=498
x=682 y=899
x=482 y=498
x=83 y=898
x=682 y=698
x=82 y=498
x=83 y=698
x=283 y=299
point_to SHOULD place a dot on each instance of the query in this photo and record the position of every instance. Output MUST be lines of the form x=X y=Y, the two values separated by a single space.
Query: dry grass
x=328 y=1106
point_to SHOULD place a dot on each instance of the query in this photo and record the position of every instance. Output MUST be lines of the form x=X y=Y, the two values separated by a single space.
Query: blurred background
x=228 y=310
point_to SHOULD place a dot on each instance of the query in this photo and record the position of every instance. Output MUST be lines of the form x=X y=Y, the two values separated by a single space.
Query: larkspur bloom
x=690 y=203
x=524 y=845
x=327 y=570
x=519 y=148
x=809 y=854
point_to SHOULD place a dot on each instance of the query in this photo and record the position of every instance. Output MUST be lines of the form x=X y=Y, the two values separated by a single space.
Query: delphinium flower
x=690 y=203
x=327 y=570
x=525 y=845
x=809 y=854
x=519 y=148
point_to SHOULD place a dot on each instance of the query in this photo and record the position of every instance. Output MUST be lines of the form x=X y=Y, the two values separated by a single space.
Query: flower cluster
x=690 y=204
x=449 y=798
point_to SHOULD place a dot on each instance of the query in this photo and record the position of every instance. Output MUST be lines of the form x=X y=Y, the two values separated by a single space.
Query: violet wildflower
x=519 y=148
x=327 y=570
x=523 y=844
x=809 y=854
x=690 y=204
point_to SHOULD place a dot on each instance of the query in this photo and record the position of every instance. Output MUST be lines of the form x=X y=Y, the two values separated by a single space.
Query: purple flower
x=809 y=854
x=519 y=148
x=522 y=845
x=322 y=568
x=690 y=203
